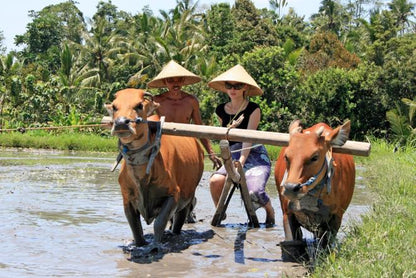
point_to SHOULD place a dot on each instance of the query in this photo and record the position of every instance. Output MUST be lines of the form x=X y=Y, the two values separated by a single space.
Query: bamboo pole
x=248 y=135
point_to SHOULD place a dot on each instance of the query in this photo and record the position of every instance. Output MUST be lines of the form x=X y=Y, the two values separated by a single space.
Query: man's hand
x=216 y=161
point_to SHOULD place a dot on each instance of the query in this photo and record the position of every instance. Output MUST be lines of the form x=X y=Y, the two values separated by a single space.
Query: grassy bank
x=384 y=244
x=76 y=141
x=60 y=141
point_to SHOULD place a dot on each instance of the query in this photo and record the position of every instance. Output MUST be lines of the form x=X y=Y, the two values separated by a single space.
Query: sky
x=14 y=16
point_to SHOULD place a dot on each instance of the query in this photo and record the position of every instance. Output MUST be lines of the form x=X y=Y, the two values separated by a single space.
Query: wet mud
x=62 y=215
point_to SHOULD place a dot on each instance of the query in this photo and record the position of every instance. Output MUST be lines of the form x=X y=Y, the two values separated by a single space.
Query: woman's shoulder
x=251 y=106
x=220 y=108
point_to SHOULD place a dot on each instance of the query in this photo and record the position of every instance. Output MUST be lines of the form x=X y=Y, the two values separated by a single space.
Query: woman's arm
x=253 y=123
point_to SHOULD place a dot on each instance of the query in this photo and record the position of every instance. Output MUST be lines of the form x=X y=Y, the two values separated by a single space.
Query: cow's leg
x=291 y=227
x=180 y=217
x=162 y=219
x=133 y=217
x=295 y=227
x=286 y=227
x=191 y=217
x=328 y=231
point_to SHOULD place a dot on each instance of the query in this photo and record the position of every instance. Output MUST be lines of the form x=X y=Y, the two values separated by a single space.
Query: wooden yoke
x=235 y=177
x=246 y=135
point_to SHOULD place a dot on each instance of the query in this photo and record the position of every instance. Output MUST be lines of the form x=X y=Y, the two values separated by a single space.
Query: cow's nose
x=294 y=187
x=122 y=121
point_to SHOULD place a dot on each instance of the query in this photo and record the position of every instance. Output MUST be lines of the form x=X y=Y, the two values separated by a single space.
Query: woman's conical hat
x=236 y=74
x=173 y=69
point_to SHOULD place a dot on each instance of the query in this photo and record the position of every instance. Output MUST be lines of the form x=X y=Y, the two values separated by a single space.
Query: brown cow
x=160 y=173
x=315 y=185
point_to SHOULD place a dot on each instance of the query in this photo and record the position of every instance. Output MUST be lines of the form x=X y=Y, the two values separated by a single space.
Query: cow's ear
x=109 y=108
x=339 y=136
x=295 y=127
x=152 y=106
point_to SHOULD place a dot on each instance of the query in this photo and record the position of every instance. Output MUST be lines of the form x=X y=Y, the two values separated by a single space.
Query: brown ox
x=315 y=185
x=160 y=173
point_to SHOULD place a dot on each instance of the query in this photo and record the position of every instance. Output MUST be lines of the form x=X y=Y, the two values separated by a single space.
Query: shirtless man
x=179 y=106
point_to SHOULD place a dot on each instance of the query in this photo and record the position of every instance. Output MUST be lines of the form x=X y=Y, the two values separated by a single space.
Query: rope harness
x=140 y=156
x=234 y=124
x=312 y=180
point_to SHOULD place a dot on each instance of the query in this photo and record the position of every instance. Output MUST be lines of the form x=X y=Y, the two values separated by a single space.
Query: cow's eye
x=138 y=107
x=315 y=158
x=287 y=160
x=114 y=108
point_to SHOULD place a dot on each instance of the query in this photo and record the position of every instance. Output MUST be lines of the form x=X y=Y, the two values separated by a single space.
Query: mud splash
x=62 y=215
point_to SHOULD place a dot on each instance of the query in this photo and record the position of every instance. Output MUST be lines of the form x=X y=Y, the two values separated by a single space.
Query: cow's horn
x=320 y=130
x=148 y=95
x=295 y=127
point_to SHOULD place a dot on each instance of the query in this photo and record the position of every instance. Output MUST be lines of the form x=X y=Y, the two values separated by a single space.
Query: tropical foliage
x=353 y=60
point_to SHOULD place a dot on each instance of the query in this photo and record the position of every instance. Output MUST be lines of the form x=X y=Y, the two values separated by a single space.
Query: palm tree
x=100 y=49
x=403 y=11
x=152 y=42
x=75 y=77
x=10 y=68
x=144 y=48
x=184 y=33
x=278 y=5
x=402 y=125
x=331 y=17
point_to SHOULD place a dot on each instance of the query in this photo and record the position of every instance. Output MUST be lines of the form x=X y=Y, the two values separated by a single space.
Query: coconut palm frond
x=401 y=130
x=412 y=109
x=91 y=81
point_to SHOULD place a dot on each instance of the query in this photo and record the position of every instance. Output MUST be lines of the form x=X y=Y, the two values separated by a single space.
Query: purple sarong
x=257 y=171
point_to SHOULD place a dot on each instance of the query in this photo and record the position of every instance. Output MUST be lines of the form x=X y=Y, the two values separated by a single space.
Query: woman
x=238 y=85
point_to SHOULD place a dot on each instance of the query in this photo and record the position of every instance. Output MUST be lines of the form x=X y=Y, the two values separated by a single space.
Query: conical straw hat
x=236 y=74
x=173 y=69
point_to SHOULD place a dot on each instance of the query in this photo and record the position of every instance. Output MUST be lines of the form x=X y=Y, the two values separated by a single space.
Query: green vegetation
x=384 y=244
x=350 y=60
x=59 y=141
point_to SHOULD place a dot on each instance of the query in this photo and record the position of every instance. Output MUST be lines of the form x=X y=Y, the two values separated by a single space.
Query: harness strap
x=313 y=178
x=325 y=181
x=140 y=156
x=156 y=144
x=330 y=171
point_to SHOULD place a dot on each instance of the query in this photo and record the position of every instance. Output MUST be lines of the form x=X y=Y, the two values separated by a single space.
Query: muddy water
x=62 y=216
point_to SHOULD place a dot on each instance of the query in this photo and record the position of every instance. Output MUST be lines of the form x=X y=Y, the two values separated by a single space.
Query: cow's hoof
x=130 y=246
x=294 y=251
x=270 y=223
x=152 y=249
x=191 y=218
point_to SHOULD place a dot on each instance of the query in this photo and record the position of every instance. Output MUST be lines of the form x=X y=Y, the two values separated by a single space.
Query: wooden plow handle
x=235 y=177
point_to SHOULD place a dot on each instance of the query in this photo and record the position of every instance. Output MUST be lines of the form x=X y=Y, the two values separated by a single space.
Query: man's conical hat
x=173 y=69
x=236 y=74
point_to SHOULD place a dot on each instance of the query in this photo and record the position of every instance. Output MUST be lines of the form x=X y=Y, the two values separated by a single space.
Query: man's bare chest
x=176 y=111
